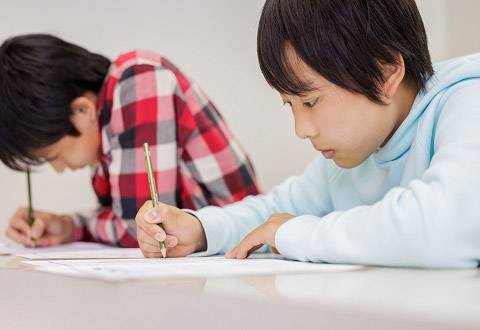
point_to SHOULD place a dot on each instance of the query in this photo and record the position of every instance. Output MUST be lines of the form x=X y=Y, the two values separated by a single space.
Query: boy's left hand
x=262 y=235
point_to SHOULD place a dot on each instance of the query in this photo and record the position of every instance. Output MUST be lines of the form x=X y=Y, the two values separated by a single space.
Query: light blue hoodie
x=414 y=203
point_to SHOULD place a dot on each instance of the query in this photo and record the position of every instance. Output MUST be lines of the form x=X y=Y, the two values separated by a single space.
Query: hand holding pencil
x=161 y=226
x=182 y=232
x=36 y=228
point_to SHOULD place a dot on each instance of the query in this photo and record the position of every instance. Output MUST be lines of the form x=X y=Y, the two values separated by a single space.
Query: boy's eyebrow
x=303 y=95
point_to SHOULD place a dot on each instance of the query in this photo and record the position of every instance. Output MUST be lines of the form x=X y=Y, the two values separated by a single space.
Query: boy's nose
x=303 y=127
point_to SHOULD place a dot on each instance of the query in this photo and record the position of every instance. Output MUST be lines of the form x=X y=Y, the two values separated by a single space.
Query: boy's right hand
x=48 y=229
x=183 y=233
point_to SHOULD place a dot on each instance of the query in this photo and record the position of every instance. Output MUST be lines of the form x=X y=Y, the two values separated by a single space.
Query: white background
x=214 y=42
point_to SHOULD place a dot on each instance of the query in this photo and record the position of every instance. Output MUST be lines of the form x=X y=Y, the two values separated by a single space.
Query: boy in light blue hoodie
x=399 y=176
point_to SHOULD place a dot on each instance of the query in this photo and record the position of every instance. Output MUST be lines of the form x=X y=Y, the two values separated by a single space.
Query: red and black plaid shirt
x=196 y=159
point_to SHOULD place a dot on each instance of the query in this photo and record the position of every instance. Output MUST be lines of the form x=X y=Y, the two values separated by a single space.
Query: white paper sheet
x=218 y=266
x=4 y=248
x=78 y=250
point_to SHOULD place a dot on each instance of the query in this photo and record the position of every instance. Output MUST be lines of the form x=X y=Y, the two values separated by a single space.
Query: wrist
x=201 y=239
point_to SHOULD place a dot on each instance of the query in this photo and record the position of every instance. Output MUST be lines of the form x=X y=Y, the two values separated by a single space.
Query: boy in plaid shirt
x=83 y=110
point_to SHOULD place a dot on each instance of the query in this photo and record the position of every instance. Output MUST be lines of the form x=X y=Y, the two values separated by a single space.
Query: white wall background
x=214 y=41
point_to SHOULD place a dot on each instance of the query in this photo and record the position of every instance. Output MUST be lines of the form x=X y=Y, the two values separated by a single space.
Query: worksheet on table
x=216 y=266
x=78 y=250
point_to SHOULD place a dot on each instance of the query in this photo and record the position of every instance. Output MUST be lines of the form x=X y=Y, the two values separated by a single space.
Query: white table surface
x=373 y=298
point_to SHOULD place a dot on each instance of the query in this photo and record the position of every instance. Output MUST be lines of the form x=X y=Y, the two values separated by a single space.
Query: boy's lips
x=328 y=154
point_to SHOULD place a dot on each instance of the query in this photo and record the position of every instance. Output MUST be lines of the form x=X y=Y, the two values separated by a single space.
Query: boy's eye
x=310 y=104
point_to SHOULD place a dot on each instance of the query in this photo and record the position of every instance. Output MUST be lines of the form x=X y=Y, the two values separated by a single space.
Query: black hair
x=40 y=76
x=346 y=42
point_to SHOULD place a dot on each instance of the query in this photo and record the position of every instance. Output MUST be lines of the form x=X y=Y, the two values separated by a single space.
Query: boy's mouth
x=328 y=154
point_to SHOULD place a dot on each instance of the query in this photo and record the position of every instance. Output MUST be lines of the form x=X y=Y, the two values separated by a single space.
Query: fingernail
x=151 y=215
x=171 y=244
x=159 y=237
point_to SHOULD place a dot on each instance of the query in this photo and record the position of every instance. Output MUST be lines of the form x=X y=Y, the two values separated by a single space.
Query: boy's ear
x=393 y=76
x=84 y=112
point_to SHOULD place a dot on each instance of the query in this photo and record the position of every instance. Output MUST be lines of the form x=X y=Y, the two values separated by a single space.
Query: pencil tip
x=164 y=253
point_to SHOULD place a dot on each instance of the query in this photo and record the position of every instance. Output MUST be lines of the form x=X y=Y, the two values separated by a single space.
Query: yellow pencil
x=153 y=189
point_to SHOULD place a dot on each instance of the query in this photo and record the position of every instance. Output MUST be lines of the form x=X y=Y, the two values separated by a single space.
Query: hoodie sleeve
x=305 y=194
x=432 y=222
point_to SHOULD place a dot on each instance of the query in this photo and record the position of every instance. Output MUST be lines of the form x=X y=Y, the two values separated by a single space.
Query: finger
x=232 y=254
x=236 y=250
x=21 y=224
x=43 y=242
x=249 y=244
x=162 y=213
x=253 y=249
x=171 y=241
x=147 y=247
x=144 y=237
x=154 y=231
x=150 y=228
x=21 y=212
x=38 y=228
x=140 y=216
x=19 y=237
x=239 y=252
x=153 y=214
x=243 y=251
x=154 y=246
x=50 y=240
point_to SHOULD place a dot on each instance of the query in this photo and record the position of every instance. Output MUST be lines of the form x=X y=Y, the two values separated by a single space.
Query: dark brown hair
x=346 y=42
x=40 y=76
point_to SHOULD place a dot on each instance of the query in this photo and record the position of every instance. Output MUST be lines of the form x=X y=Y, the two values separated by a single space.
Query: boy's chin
x=347 y=163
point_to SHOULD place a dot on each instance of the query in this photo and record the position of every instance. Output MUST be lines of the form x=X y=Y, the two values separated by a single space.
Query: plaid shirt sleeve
x=197 y=162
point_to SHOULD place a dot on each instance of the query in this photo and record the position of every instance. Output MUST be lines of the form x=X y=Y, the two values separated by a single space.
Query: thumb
x=38 y=228
x=162 y=213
